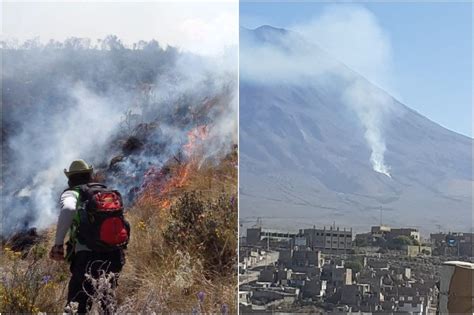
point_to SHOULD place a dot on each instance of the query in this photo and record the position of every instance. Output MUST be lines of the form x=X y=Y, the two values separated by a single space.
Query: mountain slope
x=305 y=157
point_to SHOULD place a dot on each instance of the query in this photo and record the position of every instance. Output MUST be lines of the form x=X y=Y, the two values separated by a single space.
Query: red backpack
x=101 y=223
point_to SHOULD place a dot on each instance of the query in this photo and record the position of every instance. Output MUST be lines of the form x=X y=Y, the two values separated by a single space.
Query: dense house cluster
x=324 y=270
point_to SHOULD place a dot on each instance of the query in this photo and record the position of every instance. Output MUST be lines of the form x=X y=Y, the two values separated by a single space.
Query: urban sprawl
x=386 y=270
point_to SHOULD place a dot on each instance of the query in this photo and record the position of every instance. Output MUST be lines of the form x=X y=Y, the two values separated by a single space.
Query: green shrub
x=400 y=241
x=356 y=266
x=208 y=228
x=30 y=282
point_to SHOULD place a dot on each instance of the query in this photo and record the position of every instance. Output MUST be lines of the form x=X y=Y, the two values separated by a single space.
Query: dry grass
x=31 y=282
x=160 y=275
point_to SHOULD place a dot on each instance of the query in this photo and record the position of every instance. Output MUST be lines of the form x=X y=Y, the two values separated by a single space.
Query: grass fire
x=162 y=134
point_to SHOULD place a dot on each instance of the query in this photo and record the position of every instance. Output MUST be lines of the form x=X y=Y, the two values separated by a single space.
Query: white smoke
x=83 y=131
x=353 y=36
x=85 y=121
x=205 y=77
x=50 y=142
x=371 y=106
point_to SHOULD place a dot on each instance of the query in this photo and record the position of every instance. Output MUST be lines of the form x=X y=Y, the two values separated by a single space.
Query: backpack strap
x=90 y=185
x=78 y=188
x=85 y=188
x=71 y=243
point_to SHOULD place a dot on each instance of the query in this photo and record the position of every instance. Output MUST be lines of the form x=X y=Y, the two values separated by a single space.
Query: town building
x=327 y=240
x=388 y=232
x=331 y=240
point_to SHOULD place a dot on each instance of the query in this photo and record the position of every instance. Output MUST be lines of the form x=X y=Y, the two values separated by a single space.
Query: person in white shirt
x=82 y=259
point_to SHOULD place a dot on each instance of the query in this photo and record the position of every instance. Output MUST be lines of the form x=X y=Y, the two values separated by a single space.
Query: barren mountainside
x=305 y=157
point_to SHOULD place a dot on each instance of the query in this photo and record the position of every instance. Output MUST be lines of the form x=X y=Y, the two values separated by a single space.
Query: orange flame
x=193 y=152
x=195 y=137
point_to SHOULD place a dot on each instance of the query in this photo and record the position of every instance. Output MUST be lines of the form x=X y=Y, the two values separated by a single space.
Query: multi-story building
x=380 y=230
x=328 y=240
x=300 y=258
x=388 y=232
x=259 y=236
x=410 y=232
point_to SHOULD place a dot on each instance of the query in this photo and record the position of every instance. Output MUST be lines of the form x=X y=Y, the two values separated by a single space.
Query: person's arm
x=66 y=216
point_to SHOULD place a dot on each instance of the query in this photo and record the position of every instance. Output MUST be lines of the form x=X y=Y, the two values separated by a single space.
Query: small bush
x=356 y=266
x=400 y=241
x=176 y=251
x=207 y=226
x=30 y=283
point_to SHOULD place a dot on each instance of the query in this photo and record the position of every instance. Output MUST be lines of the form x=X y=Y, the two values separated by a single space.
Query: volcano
x=305 y=159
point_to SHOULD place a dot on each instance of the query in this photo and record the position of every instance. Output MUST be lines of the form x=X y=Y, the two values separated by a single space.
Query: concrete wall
x=254 y=236
x=331 y=239
x=415 y=250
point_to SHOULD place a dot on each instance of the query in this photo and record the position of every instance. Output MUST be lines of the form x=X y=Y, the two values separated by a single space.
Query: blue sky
x=431 y=51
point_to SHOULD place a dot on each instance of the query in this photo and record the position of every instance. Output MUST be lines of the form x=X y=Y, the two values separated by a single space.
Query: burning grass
x=182 y=254
x=185 y=241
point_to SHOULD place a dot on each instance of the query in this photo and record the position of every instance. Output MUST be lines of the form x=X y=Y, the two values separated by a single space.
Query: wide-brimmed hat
x=78 y=167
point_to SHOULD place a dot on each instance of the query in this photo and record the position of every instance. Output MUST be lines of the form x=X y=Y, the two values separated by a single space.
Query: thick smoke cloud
x=334 y=49
x=49 y=143
x=70 y=100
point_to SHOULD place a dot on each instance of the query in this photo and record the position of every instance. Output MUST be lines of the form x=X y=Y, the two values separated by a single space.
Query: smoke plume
x=371 y=106
x=68 y=100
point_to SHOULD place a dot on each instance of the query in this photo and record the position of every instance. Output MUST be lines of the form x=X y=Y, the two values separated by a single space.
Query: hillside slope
x=157 y=124
x=168 y=263
x=305 y=158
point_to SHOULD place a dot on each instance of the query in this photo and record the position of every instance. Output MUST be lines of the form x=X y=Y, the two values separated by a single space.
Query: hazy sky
x=426 y=47
x=203 y=27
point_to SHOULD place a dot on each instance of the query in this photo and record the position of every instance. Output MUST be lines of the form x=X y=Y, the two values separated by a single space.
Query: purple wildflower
x=45 y=279
x=201 y=296
x=224 y=309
